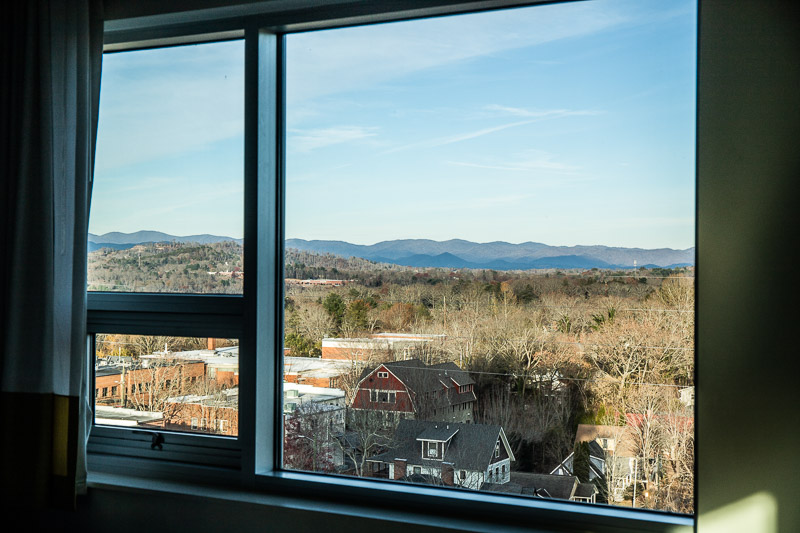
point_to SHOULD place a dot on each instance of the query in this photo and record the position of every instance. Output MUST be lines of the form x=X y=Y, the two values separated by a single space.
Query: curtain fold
x=51 y=57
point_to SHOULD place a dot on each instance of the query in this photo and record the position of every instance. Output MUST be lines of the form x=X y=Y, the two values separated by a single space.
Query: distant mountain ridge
x=498 y=255
x=122 y=241
x=454 y=253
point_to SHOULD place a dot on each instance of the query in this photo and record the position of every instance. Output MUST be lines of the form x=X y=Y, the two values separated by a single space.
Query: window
x=328 y=144
x=433 y=449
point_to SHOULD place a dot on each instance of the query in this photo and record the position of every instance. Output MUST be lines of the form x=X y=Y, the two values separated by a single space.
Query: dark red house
x=413 y=390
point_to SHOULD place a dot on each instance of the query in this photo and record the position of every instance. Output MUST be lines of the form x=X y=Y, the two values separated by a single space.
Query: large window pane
x=490 y=252
x=167 y=204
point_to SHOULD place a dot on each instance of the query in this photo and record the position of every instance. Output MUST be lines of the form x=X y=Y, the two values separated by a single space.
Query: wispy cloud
x=307 y=140
x=169 y=102
x=535 y=116
x=528 y=161
x=329 y=62
x=539 y=113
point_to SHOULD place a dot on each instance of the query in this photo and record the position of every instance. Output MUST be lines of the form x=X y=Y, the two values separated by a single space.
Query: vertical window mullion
x=260 y=344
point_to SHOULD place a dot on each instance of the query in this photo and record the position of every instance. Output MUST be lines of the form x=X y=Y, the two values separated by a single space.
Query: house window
x=383 y=374
x=194 y=422
x=433 y=450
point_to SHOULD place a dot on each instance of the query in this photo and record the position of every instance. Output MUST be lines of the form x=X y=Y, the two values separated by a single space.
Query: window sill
x=291 y=496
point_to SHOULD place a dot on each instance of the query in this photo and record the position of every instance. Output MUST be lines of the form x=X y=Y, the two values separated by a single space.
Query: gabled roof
x=452 y=371
x=439 y=433
x=421 y=378
x=585 y=490
x=471 y=446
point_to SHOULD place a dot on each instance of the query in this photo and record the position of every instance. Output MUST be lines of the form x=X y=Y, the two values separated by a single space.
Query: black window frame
x=255 y=317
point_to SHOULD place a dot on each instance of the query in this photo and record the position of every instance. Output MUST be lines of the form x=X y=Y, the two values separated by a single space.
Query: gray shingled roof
x=545 y=485
x=585 y=490
x=471 y=448
x=538 y=486
x=452 y=371
x=440 y=432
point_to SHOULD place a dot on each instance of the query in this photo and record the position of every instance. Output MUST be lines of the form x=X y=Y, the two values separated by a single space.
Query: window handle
x=157 y=441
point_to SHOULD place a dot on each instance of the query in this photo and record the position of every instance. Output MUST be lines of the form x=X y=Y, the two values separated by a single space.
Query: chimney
x=448 y=474
x=400 y=468
x=212 y=344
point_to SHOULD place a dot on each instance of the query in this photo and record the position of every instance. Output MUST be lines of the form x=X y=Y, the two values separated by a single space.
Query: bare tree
x=366 y=435
x=152 y=386
x=311 y=434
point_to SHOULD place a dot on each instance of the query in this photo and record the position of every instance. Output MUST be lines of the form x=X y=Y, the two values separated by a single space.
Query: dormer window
x=433 y=449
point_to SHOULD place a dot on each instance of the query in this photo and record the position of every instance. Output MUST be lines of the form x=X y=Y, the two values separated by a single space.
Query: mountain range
x=122 y=241
x=455 y=253
x=499 y=255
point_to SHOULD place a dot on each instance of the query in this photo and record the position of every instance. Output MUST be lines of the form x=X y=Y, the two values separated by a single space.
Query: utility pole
x=635 y=464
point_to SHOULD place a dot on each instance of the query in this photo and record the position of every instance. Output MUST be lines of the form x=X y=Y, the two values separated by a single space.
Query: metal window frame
x=252 y=460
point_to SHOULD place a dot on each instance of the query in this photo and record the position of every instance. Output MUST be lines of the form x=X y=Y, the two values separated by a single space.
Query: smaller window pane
x=168 y=383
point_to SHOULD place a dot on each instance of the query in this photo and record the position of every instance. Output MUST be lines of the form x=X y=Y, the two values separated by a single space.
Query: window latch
x=157 y=441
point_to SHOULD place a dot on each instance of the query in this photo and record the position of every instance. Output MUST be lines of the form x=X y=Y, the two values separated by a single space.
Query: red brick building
x=378 y=347
x=134 y=383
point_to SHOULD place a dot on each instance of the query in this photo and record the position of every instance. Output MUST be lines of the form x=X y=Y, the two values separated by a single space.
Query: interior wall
x=748 y=168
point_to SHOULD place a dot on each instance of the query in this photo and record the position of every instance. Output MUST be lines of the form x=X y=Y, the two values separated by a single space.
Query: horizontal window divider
x=173 y=324
x=220 y=304
x=156 y=41
x=547 y=514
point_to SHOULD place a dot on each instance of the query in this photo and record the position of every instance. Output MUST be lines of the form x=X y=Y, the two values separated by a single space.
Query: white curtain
x=51 y=56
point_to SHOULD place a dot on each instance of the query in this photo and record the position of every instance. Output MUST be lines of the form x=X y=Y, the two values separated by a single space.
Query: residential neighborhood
x=401 y=420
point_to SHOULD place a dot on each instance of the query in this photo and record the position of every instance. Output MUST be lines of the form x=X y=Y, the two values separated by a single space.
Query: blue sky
x=564 y=124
